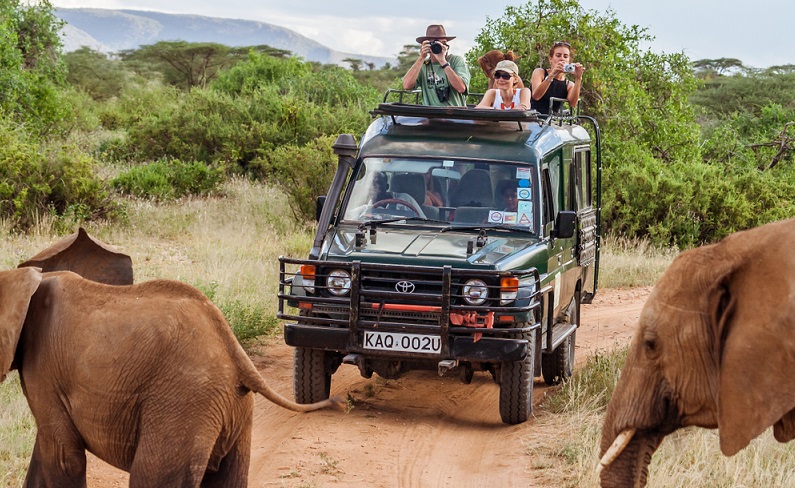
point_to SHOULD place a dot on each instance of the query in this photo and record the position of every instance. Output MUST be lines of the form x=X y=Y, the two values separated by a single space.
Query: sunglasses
x=561 y=43
x=503 y=75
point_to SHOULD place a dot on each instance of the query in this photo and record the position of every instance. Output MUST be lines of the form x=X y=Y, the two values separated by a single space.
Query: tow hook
x=446 y=365
x=359 y=361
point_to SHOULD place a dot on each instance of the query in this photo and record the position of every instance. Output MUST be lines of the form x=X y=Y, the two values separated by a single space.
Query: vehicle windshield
x=445 y=192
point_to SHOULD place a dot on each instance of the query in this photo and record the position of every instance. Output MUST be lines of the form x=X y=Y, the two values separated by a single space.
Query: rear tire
x=516 y=386
x=559 y=364
x=311 y=376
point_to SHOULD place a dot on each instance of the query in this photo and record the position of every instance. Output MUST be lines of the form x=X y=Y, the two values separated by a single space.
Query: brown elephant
x=148 y=377
x=86 y=256
x=715 y=348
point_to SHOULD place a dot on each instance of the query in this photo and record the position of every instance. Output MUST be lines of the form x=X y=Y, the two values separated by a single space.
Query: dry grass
x=632 y=262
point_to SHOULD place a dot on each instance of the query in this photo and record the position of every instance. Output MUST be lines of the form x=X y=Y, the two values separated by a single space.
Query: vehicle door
x=582 y=202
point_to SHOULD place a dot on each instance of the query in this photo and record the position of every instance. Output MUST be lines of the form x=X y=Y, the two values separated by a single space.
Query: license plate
x=398 y=341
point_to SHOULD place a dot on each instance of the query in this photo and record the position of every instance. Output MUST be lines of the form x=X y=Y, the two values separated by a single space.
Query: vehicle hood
x=429 y=247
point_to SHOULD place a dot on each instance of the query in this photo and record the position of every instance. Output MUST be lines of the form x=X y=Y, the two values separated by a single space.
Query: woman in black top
x=553 y=83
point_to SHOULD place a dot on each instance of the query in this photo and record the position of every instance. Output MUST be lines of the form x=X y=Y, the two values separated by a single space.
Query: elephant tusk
x=615 y=449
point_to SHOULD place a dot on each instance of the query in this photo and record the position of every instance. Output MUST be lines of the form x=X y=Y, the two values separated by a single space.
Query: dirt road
x=417 y=431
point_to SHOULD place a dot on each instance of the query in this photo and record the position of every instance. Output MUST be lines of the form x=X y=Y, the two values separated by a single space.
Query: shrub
x=304 y=172
x=36 y=179
x=169 y=179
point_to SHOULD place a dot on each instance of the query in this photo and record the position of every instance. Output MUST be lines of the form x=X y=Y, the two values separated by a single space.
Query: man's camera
x=437 y=47
x=569 y=68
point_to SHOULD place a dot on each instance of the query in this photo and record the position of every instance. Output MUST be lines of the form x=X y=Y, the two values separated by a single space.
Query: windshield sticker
x=495 y=217
x=448 y=164
x=524 y=183
x=509 y=217
x=525 y=213
x=524 y=194
x=522 y=173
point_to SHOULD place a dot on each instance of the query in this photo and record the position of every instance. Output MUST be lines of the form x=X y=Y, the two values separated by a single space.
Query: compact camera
x=436 y=47
x=569 y=68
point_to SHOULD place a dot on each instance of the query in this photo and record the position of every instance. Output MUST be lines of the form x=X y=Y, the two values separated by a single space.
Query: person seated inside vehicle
x=509 y=202
x=381 y=197
x=432 y=196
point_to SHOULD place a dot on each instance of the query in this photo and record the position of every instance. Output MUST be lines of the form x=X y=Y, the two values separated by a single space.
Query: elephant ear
x=86 y=256
x=17 y=286
x=757 y=332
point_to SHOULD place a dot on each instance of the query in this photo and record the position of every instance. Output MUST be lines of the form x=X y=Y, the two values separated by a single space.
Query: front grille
x=434 y=305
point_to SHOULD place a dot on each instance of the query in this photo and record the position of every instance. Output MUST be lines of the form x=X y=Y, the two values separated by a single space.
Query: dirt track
x=418 y=431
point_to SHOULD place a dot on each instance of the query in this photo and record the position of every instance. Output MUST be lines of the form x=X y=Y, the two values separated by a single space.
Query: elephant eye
x=651 y=345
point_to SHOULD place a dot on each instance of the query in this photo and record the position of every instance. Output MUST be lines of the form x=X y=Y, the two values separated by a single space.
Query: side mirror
x=321 y=201
x=565 y=224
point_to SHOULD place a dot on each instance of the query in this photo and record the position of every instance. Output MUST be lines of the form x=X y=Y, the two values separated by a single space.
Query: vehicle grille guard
x=437 y=308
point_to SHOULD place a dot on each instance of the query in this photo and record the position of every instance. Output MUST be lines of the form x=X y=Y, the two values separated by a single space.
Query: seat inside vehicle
x=474 y=190
x=414 y=185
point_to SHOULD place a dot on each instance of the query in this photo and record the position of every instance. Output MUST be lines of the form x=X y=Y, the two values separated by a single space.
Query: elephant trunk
x=631 y=467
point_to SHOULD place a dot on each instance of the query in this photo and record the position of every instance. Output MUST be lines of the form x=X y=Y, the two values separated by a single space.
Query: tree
x=407 y=56
x=709 y=68
x=31 y=68
x=92 y=72
x=355 y=63
x=184 y=64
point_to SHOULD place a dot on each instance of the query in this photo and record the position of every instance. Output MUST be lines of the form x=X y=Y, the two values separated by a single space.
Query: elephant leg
x=56 y=463
x=228 y=465
x=233 y=470
x=171 y=455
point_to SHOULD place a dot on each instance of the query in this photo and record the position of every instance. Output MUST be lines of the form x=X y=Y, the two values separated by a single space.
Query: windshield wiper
x=368 y=223
x=513 y=228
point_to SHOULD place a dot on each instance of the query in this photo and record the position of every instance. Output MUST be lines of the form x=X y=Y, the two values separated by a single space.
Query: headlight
x=339 y=282
x=475 y=292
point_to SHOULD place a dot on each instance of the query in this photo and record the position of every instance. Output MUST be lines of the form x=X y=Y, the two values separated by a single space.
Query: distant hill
x=115 y=30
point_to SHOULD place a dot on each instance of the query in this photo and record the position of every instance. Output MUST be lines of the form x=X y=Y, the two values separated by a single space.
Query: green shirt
x=433 y=82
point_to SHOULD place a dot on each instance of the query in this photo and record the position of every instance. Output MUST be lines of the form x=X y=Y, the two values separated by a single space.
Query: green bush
x=247 y=320
x=38 y=179
x=169 y=179
x=304 y=172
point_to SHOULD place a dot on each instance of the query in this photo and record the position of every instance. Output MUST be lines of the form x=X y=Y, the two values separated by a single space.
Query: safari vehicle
x=393 y=284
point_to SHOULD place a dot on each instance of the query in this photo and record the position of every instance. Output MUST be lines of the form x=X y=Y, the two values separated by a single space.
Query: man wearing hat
x=443 y=78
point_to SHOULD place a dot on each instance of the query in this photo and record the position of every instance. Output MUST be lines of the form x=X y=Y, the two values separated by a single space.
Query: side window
x=549 y=201
x=555 y=176
x=581 y=173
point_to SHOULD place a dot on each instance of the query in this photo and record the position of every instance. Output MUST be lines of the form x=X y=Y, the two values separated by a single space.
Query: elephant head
x=714 y=348
x=86 y=256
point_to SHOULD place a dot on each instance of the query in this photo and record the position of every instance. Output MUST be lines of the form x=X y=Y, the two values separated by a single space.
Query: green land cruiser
x=451 y=239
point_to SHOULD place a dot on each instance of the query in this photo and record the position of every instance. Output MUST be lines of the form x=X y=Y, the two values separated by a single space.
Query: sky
x=759 y=33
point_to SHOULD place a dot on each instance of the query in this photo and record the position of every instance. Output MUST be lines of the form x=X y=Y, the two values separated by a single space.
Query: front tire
x=311 y=376
x=516 y=386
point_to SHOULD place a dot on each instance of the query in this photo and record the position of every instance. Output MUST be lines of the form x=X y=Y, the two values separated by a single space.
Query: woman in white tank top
x=505 y=95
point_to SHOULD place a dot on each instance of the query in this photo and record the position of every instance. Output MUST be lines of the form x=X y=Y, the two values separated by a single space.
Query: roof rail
x=461 y=113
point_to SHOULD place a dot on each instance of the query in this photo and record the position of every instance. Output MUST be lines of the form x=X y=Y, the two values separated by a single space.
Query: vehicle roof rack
x=460 y=113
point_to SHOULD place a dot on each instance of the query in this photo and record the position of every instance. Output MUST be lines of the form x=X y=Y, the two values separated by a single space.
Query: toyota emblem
x=404 y=287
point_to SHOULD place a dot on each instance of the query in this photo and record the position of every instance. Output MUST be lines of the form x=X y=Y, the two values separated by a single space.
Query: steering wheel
x=387 y=201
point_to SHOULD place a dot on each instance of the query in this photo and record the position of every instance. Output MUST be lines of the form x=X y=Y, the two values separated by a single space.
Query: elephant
x=86 y=256
x=148 y=377
x=714 y=348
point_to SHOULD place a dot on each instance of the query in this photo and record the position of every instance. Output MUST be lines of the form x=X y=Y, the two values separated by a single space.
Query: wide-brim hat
x=507 y=66
x=435 y=31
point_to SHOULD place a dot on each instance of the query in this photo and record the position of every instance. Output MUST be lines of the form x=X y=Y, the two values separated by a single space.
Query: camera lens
x=436 y=47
